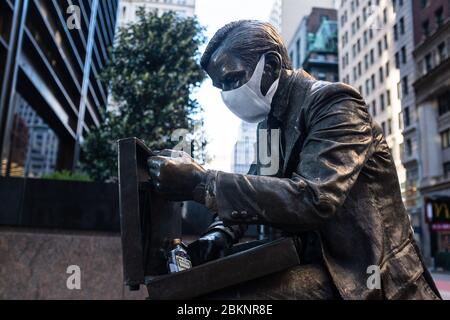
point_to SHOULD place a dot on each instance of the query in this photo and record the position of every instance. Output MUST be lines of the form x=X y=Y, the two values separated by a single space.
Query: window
x=439 y=14
x=385 y=16
x=367 y=87
x=387 y=69
x=373 y=82
x=445 y=139
x=382 y=102
x=444 y=103
x=409 y=148
x=405 y=85
x=397 y=60
x=381 y=74
x=366 y=40
x=404 y=56
x=386 y=44
x=389 y=126
x=374 y=107
x=372 y=56
x=402 y=26
x=442 y=53
x=426 y=28
x=366 y=61
x=395 y=32
x=380 y=48
x=388 y=96
x=359 y=69
x=447 y=168
x=428 y=63
x=400 y=120
x=383 y=127
x=406 y=117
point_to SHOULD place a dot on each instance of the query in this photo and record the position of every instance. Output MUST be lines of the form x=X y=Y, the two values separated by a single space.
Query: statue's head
x=233 y=53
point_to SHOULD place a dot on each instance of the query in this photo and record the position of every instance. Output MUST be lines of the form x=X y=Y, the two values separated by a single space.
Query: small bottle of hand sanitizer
x=179 y=259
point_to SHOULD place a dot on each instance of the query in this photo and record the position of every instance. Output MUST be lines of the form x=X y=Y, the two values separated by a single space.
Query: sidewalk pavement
x=442 y=281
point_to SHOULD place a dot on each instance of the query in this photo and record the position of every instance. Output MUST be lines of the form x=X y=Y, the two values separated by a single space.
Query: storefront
x=437 y=217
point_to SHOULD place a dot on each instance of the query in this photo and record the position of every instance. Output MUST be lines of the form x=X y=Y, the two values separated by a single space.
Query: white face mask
x=247 y=102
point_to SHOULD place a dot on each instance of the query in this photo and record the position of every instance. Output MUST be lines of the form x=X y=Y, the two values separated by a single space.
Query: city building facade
x=51 y=57
x=276 y=14
x=128 y=8
x=403 y=43
x=287 y=14
x=367 y=51
x=432 y=92
x=244 y=153
x=314 y=46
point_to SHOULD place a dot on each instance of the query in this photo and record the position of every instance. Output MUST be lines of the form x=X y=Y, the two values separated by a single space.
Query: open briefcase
x=149 y=224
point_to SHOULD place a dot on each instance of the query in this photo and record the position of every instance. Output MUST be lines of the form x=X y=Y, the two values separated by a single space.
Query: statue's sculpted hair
x=248 y=39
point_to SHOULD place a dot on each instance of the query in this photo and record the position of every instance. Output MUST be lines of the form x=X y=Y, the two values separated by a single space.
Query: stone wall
x=33 y=265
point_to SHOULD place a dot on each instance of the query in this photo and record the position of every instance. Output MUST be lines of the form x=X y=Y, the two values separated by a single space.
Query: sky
x=221 y=125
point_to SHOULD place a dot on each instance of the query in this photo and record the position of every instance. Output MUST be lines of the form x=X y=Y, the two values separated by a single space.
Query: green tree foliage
x=66 y=175
x=153 y=71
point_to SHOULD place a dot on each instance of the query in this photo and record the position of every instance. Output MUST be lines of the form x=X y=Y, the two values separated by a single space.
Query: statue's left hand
x=209 y=247
x=175 y=175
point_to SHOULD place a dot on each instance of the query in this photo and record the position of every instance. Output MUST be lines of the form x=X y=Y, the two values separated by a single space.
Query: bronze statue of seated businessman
x=336 y=188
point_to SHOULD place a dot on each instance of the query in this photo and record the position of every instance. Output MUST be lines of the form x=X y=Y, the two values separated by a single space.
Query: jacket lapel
x=292 y=135
x=293 y=132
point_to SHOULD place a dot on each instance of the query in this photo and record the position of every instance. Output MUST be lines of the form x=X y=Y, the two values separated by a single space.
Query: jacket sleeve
x=335 y=149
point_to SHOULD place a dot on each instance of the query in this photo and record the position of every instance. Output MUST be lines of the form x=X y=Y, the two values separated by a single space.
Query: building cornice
x=432 y=82
x=424 y=45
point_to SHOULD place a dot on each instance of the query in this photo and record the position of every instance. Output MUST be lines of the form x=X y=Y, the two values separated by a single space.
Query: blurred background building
x=431 y=81
x=314 y=45
x=128 y=8
x=244 y=154
x=51 y=55
x=403 y=40
x=287 y=14
x=396 y=53
x=369 y=61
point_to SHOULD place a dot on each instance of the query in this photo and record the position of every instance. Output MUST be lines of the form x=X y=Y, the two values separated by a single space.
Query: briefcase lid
x=148 y=223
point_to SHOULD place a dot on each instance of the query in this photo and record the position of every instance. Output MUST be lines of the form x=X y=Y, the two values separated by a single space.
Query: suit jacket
x=337 y=178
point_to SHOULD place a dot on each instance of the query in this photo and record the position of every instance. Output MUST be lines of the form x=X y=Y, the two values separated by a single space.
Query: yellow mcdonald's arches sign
x=438 y=211
x=441 y=210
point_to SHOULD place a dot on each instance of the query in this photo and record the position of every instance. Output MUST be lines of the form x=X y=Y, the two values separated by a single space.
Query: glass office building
x=52 y=53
